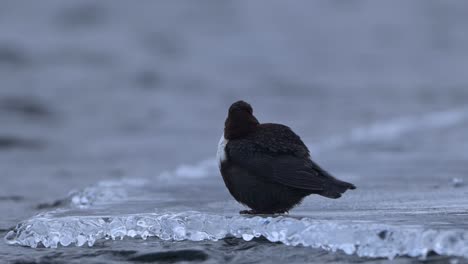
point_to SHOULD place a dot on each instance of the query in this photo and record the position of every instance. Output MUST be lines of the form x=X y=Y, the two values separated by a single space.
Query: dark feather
x=277 y=154
x=267 y=166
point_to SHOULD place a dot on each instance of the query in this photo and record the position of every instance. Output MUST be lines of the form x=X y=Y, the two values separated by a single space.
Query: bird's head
x=240 y=121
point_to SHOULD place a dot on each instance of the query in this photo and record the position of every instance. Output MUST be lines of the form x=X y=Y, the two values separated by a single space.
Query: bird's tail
x=334 y=188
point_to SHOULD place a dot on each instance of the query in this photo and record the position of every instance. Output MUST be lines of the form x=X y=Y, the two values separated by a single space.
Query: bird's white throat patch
x=221 y=153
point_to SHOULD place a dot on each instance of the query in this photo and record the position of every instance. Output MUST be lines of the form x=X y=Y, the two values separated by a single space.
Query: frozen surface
x=424 y=216
x=364 y=238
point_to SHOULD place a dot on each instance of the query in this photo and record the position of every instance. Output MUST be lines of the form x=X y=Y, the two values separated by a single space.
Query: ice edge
x=362 y=238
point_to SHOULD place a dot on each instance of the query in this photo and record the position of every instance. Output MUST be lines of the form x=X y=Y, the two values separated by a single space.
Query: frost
x=367 y=239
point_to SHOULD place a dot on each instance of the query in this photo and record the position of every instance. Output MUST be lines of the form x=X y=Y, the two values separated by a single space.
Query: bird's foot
x=255 y=212
x=249 y=212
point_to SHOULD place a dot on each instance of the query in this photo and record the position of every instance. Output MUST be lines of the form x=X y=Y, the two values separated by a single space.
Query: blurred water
x=110 y=90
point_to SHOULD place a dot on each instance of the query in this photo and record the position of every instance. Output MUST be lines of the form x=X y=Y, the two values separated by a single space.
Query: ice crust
x=118 y=190
x=366 y=239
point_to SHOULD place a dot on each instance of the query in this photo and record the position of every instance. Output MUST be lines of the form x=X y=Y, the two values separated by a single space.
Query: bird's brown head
x=240 y=121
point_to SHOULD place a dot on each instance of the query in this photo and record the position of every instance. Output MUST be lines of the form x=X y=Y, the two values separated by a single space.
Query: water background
x=111 y=90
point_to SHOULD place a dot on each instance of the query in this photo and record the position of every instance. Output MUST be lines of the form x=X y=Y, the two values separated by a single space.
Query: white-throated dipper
x=267 y=167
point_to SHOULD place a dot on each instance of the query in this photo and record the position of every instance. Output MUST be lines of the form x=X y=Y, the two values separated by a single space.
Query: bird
x=267 y=167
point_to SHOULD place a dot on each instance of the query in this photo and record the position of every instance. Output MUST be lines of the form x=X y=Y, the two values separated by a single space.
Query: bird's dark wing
x=278 y=139
x=278 y=155
x=285 y=169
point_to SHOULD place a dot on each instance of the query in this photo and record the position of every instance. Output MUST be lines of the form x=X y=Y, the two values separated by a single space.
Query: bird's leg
x=250 y=212
x=255 y=212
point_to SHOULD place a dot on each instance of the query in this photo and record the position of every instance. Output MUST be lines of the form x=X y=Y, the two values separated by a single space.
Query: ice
x=199 y=170
x=115 y=190
x=387 y=216
x=367 y=239
x=393 y=129
x=381 y=131
x=104 y=191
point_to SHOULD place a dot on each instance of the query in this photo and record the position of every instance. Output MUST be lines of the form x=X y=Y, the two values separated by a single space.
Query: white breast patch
x=221 y=153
